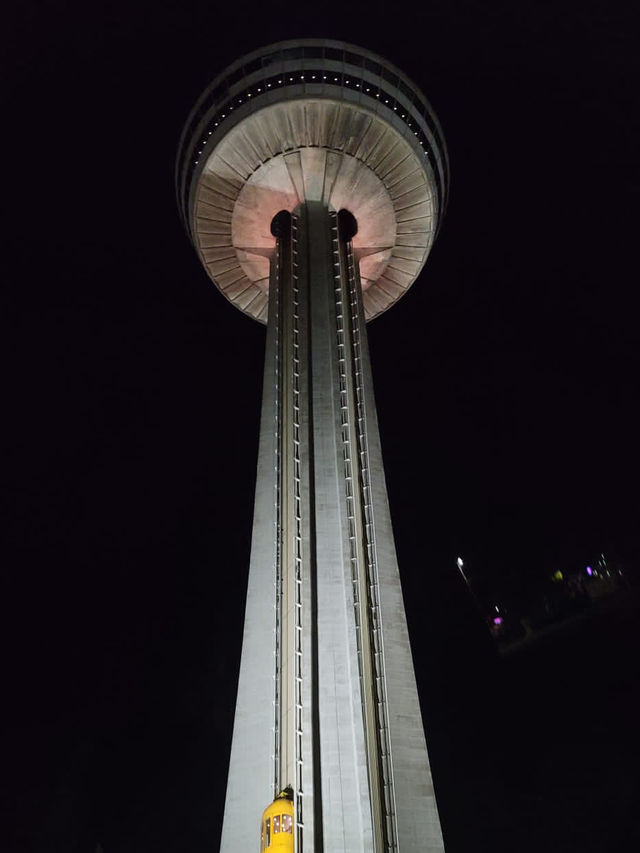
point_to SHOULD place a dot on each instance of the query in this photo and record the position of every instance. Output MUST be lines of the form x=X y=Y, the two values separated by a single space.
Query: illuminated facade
x=312 y=178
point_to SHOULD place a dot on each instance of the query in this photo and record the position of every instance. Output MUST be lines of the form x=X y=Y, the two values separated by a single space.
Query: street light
x=460 y=563
x=474 y=597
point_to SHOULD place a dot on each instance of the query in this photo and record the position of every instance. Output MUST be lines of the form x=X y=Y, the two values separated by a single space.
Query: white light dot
x=302 y=76
x=259 y=90
x=279 y=81
x=210 y=132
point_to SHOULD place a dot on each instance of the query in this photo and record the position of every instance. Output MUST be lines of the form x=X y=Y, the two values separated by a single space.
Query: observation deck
x=312 y=120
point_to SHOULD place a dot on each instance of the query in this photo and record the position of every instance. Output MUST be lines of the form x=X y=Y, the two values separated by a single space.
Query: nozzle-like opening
x=281 y=224
x=347 y=224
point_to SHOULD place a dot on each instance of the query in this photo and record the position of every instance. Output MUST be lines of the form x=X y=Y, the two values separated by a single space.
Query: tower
x=311 y=178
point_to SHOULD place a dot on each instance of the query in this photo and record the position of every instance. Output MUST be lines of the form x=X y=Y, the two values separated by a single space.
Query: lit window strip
x=282 y=80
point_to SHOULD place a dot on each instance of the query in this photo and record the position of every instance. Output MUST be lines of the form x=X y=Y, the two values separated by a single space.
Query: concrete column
x=327 y=699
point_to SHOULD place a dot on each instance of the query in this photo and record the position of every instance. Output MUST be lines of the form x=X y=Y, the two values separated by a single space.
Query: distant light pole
x=460 y=563
x=474 y=597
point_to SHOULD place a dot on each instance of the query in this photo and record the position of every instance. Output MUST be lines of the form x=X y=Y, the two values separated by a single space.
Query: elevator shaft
x=324 y=495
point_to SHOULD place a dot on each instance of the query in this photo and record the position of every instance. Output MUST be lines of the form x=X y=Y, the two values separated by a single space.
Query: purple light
x=497 y=620
x=589 y=571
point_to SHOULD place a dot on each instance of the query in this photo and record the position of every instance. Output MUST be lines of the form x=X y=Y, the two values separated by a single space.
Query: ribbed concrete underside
x=314 y=150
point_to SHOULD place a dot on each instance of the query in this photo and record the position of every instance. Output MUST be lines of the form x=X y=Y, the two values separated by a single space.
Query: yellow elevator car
x=276 y=829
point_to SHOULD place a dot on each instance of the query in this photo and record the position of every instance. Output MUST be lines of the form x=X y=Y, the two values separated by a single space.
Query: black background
x=507 y=390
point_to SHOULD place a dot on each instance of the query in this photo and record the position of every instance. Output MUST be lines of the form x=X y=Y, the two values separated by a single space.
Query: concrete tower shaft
x=312 y=203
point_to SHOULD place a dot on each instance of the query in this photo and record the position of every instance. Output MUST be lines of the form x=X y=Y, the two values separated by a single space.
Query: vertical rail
x=349 y=319
x=275 y=283
x=288 y=725
x=297 y=534
x=347 y=406
x=357 y=327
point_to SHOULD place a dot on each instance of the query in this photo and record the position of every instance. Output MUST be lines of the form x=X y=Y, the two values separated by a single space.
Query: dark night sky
x=507 y=389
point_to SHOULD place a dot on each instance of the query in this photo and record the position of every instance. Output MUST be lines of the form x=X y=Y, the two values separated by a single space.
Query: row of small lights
x=291 y=80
